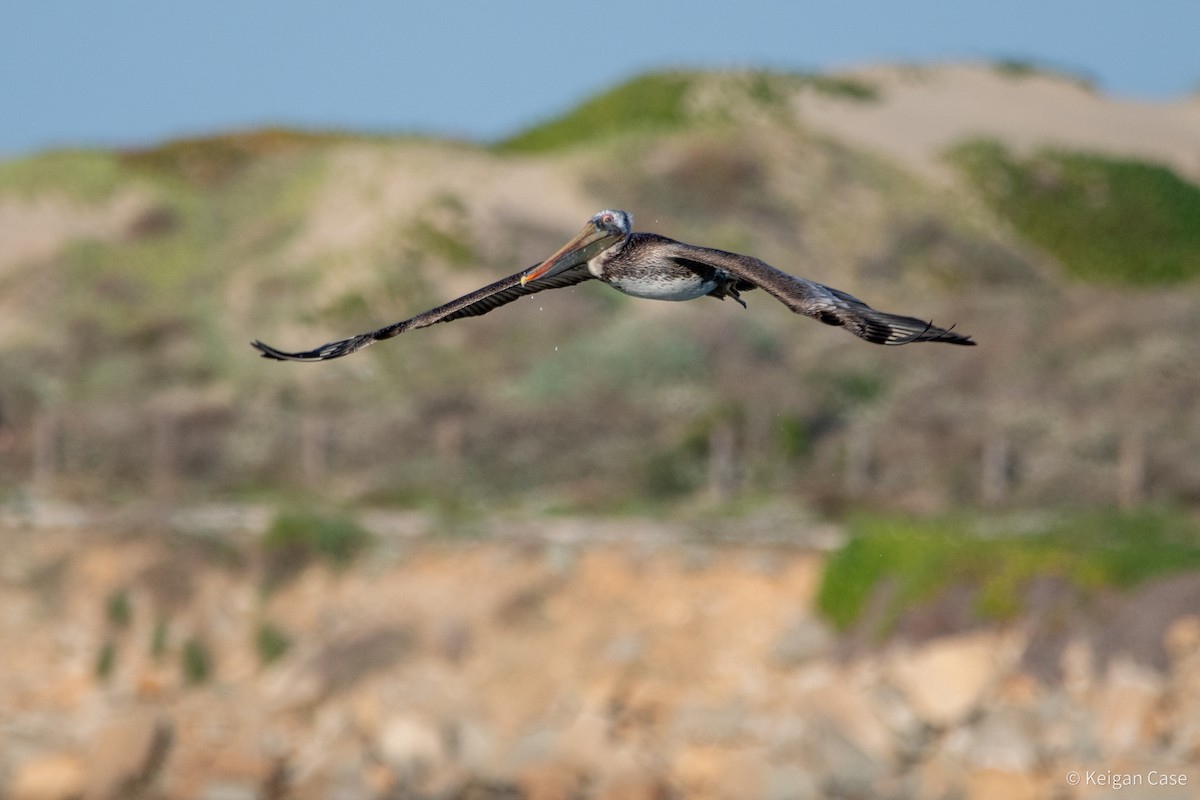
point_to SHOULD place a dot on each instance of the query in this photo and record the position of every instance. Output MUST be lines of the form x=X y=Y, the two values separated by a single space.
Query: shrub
x=208 y=161
x=106 y=659
x=658 y=102
x=845 y=88
x=158 y=639
x=297 y=537
x=118 y=609
x=1019 y=68
x=270 y=642
x=336 y=537
x=81 y=175
x=1104 y=218
x=921 y=558
x=196 y=662
x=649 y=102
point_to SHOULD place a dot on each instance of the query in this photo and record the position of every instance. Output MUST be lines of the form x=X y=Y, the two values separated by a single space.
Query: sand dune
x=923 y=110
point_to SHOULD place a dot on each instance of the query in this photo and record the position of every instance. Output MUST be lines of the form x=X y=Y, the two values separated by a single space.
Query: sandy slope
x=371 y=189
x=923 y=110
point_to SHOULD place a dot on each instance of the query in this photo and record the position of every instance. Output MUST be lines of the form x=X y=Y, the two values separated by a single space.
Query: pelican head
x=601 y=232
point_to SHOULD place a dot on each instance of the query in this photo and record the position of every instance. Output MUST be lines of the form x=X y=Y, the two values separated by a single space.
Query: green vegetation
x=78 y=174
x=664 y=356
x=211 y=160
x=1105 y=219
x=653 y=102
x=118 y=609
x=158 y=639
x=106 y=659
x=919 y=559
x=1024 y=68
x=336 y=537
x=297 y=537
x=196 y=662
x=142 y=308
x=794 y=438
x=845 y=88
x=776 y=88
x=658 y=102
x=451 y=240
x=270 y=642
x=847 y=385
x=677 y=471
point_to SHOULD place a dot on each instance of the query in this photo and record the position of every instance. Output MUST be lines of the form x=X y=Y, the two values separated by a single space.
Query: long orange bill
x=590 y=241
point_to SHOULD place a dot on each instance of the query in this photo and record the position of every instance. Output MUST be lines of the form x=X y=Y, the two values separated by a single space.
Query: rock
x=908 y=732
x=1182 y=723
x=1182 y=638
x=225 y=790
x=411 y=746
x=937 y=776
x=710 y=687
x=586 y=740
x=843 y=768
x=549 y=781
x=790 y=782
x=1182 y=711
x=1125 y=706
x=844 y=744
x=1003 y=740
x=292 y=687
x=57 y=776
x=946 y=679
x=1019 y=689
x=472 y=746
x=710 y=724
x=1078 y=672
x=625 y=649
x=840 y=708
x=454 y=640
x=637 y=784
x=995 y=784
x=804 y=640
x=744 y=774
x=536 y=746
x=127 y=756
x=1066 y=729
x=722 y=773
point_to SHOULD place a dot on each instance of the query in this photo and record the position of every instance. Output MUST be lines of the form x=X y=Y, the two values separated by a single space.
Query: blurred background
x=589 y=546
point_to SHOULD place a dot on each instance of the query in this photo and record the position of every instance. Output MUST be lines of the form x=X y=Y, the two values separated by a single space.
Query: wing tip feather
x=930 y=333
x=275 y=354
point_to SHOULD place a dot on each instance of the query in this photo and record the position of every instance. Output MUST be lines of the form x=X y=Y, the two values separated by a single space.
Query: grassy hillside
x=127 y=304
x=661 y=102
x=1104 y=218
x=924 y=559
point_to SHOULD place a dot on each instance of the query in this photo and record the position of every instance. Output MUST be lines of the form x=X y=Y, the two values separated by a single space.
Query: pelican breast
x=642 y=267
x=657 y=286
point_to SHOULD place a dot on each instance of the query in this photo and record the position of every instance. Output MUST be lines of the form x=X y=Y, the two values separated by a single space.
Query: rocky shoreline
x=139 y=666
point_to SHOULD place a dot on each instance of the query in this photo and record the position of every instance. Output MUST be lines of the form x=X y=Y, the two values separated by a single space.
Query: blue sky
x=133 y=72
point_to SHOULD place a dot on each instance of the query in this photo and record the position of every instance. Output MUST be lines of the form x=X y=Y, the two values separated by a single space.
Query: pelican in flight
x=656 y=268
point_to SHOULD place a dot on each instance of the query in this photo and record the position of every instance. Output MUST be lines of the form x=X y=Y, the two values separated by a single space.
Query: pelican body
x=654 y=267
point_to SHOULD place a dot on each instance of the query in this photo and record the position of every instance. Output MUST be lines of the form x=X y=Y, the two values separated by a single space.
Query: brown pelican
x=657 y=268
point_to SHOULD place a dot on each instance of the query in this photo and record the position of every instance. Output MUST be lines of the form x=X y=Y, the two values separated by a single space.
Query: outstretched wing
x=478 y=302
x=823 y=303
